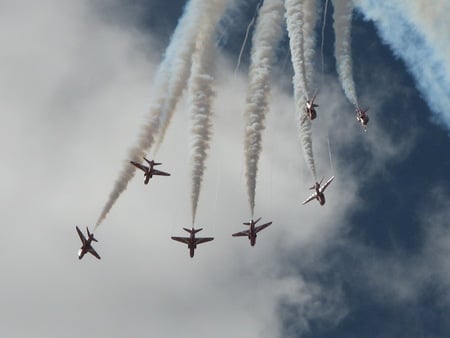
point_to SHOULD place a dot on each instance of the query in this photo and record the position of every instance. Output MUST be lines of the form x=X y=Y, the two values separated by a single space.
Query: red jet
x=87 y=246
x=252 y=231
x=362 y=117
x=192 y=241
x=149 y=171
x=309 y=107
x=318 y=193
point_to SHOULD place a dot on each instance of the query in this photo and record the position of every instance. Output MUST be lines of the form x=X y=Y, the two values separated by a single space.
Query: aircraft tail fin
x=152 y=163
x=193 y=230
x=91 y=235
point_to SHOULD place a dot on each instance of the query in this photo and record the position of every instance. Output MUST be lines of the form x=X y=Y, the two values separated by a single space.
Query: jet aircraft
x=87 y=246
x=362 y=117
x=192 y=241
x=252 y=230
x=309 y=107
x=149 y=171
x=318 y=193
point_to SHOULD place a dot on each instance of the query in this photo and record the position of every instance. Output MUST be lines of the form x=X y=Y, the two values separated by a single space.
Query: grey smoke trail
x=267 y=34
x=294 y=20
x=200 y=96
x=169 y=82
x=342 y=46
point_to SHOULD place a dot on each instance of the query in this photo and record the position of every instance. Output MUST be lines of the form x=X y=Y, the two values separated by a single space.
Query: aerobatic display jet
x=309 y=107
x=362 y=117
x=87 y=246
x=252 y=230
x=192 y=241
x=149 y=171
x=318 y=193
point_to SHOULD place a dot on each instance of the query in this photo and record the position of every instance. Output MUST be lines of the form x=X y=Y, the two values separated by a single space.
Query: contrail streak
x=342 y=47
x=200 y=96
x=295 y=12
x=418 y=33
x=323 y=39
x=169 y=83
x=247 y=31
x=266 y=36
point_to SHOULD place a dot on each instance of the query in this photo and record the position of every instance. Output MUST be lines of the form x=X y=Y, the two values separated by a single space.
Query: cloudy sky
x=77 y=80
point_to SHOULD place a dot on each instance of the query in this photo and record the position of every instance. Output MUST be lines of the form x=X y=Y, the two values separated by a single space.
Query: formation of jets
x=86 y=244
x=192 y=241
x=318 y=191
x=252 y=230
x=149 y=171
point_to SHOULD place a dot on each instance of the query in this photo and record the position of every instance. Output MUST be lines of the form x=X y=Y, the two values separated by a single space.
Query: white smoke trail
x=266 y=36
x=294 y=20
x=306 y=140
x=201 y=94
x=181 y=65
x=169 y=82
x=309 y=40
x=418 y=32
x=342 y=23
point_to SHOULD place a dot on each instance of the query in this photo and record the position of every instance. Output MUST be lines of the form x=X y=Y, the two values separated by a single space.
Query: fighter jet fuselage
x=86 y=244
x=251 y=232
x=318 y=192
x=149 y=171
x=192 y=241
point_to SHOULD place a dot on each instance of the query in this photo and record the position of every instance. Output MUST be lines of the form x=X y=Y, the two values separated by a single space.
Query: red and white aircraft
x=192 y=241
x=87 y=246
x=362 y=117
x=318 y=193
x=309 y=107
x=252 y=231
x=149 y=171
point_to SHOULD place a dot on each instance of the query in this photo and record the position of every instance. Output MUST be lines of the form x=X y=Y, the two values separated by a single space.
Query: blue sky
x=78 y=81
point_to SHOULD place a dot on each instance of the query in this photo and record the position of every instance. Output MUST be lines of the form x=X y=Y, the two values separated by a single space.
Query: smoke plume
x=200 y=96
x=266 y=36
x=342 y=23
x=418 y=31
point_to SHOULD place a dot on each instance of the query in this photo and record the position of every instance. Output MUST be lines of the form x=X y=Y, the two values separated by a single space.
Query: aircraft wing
x=83 y=239
x=140 y=166
x=181 y=239
x=322 y=189
x=203 y=240
x=241 y=233
x=259 y=228
x=310 y=198
x=159 y=172
x=93 y=252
